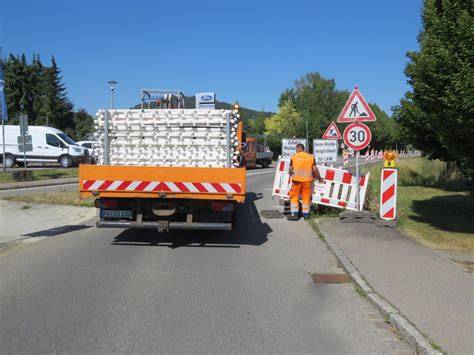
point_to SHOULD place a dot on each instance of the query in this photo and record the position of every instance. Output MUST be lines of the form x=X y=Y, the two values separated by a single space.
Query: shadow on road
x=248 y=230
x=56 y=231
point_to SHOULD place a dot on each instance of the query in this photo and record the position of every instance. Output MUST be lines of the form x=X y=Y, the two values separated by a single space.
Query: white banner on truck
x=325 y=150
x=288 y=146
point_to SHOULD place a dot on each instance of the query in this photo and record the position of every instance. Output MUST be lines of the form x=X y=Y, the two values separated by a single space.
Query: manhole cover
x=271 y=214
x=331 y=278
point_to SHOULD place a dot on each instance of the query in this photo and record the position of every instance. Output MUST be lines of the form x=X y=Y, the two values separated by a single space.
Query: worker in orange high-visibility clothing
x=302 y=170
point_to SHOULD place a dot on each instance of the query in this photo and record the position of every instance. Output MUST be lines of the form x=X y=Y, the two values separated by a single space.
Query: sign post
x=3 y=108
x=357 y=136
x=24 y=139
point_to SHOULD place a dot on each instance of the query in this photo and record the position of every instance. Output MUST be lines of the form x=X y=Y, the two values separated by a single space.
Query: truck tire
x=9 y=161
x=65 y=161
x=265 y=163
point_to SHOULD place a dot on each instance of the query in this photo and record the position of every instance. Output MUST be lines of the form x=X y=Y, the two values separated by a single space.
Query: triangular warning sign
x=356 y=109
x=332 y=132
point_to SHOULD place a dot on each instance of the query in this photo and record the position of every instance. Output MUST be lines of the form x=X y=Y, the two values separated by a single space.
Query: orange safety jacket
x=302 y=164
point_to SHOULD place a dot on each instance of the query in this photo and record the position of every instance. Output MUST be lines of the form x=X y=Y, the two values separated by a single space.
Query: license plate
x=116 y=214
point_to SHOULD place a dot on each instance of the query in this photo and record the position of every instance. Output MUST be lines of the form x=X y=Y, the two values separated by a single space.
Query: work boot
x=306 y=216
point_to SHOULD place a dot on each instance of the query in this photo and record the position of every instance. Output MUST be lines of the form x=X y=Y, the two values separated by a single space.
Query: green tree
x=59 y=106
x=83 y=123
x=282 y=125
x=39 y=92
x=437 y=115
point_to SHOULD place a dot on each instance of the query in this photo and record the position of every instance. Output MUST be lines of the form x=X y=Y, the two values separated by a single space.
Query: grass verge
x=71 y=198
x=433 y=207
x=43 y=174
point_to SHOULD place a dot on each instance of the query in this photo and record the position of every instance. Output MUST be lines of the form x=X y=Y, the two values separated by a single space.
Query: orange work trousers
x=303 y=188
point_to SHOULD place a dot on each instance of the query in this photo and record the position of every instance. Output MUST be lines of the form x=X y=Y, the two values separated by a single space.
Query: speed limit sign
x=357 y=136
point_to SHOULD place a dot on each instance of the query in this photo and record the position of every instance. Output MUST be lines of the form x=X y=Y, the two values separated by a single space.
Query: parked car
x=50 y=145
x=92 y=148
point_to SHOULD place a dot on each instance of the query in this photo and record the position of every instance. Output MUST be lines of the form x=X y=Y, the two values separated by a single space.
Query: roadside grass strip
x=42 y=174
x=434 y=207
x=71 y=198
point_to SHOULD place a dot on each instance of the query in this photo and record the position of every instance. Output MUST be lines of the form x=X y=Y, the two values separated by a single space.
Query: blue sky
x=243 y=50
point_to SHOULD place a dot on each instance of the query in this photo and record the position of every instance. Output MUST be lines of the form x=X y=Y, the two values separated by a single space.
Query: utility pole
x=2 y=109
x=307 y=137
x=112 y=84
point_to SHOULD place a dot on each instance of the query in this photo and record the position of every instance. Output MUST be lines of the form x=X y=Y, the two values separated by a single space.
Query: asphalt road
x=130 y=291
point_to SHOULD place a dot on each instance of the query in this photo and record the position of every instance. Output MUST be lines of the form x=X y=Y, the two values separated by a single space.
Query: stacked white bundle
x=179 y=138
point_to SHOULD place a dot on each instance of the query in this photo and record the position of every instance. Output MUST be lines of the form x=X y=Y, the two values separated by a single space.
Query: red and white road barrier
x=282 y=182
x=367 y=156
x=345 y=157
x=338 y=188
x=372 y=155
x=388 y=194
x=160 y=186
x=380 y=156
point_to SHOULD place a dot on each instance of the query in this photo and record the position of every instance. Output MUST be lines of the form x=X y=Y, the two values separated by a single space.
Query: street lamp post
x=112 y=84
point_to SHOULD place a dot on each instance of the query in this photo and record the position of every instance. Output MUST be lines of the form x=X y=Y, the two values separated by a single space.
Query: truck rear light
x=221 y=207
x=106 y=203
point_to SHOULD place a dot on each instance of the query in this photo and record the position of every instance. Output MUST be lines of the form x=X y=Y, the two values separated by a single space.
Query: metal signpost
x=3 y=108
x=24 y=139
x=357 y=135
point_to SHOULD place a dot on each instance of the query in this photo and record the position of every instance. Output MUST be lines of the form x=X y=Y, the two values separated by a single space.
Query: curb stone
x=406 y=329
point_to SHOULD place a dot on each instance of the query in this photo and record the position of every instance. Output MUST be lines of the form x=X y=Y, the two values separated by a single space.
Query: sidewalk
x=21 y=221
x=430 y=291
x=37 y=183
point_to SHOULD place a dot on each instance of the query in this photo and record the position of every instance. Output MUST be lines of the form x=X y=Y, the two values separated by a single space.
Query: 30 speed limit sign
x=357 y=136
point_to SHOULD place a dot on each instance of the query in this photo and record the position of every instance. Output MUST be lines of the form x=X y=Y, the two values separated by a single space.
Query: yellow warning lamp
x=389 y=159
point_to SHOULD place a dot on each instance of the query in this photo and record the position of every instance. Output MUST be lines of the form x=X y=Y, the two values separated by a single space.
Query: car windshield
x=66 y=139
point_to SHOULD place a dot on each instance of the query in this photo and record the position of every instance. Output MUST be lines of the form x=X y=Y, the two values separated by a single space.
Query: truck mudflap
x=164 y=226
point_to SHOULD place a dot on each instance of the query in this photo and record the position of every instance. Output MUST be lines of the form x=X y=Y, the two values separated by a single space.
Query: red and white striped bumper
x=160 y=186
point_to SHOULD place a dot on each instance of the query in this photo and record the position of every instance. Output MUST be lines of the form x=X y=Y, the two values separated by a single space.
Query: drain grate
x=271 y=214
x=331 y=278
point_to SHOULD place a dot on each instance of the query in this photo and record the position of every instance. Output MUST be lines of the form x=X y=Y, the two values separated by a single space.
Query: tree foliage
x=438 y=113
x=38 y=91
x=283 y=124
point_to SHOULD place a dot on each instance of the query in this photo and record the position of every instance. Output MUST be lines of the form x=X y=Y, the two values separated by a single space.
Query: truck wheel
x=9 y=161
x=65 y=161
x=265 y=164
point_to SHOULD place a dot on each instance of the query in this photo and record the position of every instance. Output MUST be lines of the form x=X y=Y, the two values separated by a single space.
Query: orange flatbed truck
x=165 y=197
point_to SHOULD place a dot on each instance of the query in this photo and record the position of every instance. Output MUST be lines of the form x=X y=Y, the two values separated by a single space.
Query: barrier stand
x=345 y=157
x=388 y=191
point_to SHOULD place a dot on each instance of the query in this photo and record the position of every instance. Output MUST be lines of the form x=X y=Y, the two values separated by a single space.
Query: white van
x=50 y=145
